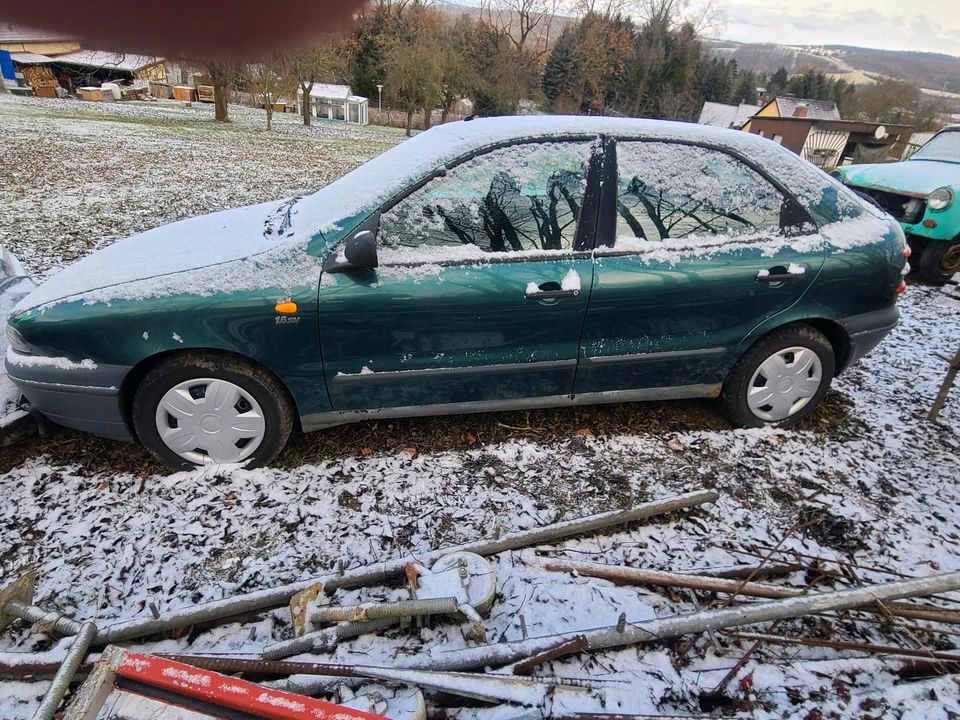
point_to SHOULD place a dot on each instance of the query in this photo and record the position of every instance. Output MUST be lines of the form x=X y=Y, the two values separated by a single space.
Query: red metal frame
x=227 y=692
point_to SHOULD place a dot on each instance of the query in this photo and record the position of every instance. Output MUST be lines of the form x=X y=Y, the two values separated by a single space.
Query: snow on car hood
x=914 y=177
x=186 y=245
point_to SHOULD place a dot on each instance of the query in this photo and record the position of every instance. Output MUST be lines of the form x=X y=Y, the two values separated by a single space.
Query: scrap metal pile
x=455 y=587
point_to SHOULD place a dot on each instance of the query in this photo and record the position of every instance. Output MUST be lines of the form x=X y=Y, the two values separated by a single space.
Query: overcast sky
x=926 y=25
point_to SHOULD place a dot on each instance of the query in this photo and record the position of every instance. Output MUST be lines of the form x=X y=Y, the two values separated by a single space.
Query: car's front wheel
x=940 y=261
x=779 y=380
x=197 y=410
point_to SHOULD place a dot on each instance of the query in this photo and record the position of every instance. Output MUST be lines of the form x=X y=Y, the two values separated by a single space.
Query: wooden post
x=954 y=368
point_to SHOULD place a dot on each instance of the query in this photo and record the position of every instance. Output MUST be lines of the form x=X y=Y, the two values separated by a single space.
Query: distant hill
x=860 y=65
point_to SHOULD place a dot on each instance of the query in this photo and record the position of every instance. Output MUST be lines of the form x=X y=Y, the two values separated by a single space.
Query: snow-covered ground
x=75 y=176
x=876 y=483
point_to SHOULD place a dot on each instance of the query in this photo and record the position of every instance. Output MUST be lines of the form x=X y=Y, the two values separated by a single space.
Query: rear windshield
x=942 y=146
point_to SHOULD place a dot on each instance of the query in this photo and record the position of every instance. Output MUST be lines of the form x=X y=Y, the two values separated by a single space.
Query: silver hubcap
x=210 y=421
x=784 y=383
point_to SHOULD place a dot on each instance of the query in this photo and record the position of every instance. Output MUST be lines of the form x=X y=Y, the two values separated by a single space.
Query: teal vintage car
x=921 y=193
x=483 y=265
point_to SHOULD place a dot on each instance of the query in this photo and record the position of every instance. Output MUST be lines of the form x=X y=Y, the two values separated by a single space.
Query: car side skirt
x=319 y=421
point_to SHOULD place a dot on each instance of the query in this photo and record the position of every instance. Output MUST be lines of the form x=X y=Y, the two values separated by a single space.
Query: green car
x=488 y=264
x=921 y=193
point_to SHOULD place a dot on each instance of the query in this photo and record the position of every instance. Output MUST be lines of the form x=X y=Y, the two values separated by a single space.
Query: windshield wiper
x=283 y=215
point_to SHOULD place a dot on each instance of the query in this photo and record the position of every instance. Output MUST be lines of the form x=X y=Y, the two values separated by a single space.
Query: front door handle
x=550 y=294
x=549 y=291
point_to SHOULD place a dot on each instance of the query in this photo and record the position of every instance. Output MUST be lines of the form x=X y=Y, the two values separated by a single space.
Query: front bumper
x=83 y=398
x=867 y=330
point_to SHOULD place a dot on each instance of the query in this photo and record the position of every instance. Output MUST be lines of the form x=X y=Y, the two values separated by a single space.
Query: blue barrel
x=6 y=65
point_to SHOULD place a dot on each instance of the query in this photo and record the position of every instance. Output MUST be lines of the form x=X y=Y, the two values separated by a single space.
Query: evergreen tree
x=746 y=89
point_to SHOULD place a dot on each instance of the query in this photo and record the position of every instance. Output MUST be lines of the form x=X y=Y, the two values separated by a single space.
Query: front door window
x=521 y=198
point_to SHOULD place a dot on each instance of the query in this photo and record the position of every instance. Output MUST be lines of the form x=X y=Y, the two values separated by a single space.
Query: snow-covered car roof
x=361 y=191
x=195 y=256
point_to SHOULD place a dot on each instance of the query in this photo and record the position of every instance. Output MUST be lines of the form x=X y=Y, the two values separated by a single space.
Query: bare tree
x=524 y=22
x=221 y=73
x=324 y=60
x=269 y=80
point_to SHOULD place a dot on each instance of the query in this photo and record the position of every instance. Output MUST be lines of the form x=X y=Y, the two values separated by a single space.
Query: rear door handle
x=548 y=294
x=781 y=275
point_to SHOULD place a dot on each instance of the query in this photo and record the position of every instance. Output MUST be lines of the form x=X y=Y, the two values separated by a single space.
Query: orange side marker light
x=285 y=308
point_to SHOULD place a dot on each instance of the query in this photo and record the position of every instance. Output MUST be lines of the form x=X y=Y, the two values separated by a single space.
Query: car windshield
x=942 y=146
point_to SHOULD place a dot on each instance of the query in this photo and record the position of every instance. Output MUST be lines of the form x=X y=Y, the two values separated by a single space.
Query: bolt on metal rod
x=34 y=614
x=670 y=627
x=61 y=681
x=384 y=571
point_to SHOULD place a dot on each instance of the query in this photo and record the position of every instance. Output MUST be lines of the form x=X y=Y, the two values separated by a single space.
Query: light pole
x=380 y=98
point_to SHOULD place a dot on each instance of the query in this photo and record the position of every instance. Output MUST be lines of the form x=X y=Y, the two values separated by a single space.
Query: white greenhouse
x=336 y=102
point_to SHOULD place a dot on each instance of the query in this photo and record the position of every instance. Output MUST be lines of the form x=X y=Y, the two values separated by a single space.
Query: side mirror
x=794 y=218
x=358 y=252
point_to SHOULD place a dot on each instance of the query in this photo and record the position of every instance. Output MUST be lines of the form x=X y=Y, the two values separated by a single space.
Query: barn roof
x=111 y=60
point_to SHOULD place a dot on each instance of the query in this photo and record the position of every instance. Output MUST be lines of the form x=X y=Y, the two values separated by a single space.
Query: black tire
x=733 y=396
x=940 y=261
x=274 y=401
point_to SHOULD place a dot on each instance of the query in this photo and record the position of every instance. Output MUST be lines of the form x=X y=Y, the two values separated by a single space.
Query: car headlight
x=16 y=341
x=838 y=174
x=940 y=199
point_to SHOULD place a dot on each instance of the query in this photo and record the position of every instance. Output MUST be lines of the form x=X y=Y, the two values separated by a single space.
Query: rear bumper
x=83 y=398
x=867 y=330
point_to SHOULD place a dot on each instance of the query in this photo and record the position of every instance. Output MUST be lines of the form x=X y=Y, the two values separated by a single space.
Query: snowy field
x=74 y=176
x=874 y=484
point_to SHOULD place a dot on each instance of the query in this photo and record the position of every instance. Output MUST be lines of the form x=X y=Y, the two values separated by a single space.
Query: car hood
x=179 y=247
x=912 y=177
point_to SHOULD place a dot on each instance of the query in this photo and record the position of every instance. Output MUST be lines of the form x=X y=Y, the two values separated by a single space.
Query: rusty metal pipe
x=389 y=570
x=671 y=627
x=373 y=611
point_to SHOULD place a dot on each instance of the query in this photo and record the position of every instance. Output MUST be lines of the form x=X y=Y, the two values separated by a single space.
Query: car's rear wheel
x=779 y=380
x=199 y=410
x=940 y=261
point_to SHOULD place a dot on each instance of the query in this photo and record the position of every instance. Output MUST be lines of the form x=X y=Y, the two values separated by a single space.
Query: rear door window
x=670 y=190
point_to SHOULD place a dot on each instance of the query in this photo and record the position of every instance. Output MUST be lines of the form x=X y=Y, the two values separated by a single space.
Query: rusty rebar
x=261 y=668
x=567 y=647
x=842 y=645
x=68 y=668
x=643 y=576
